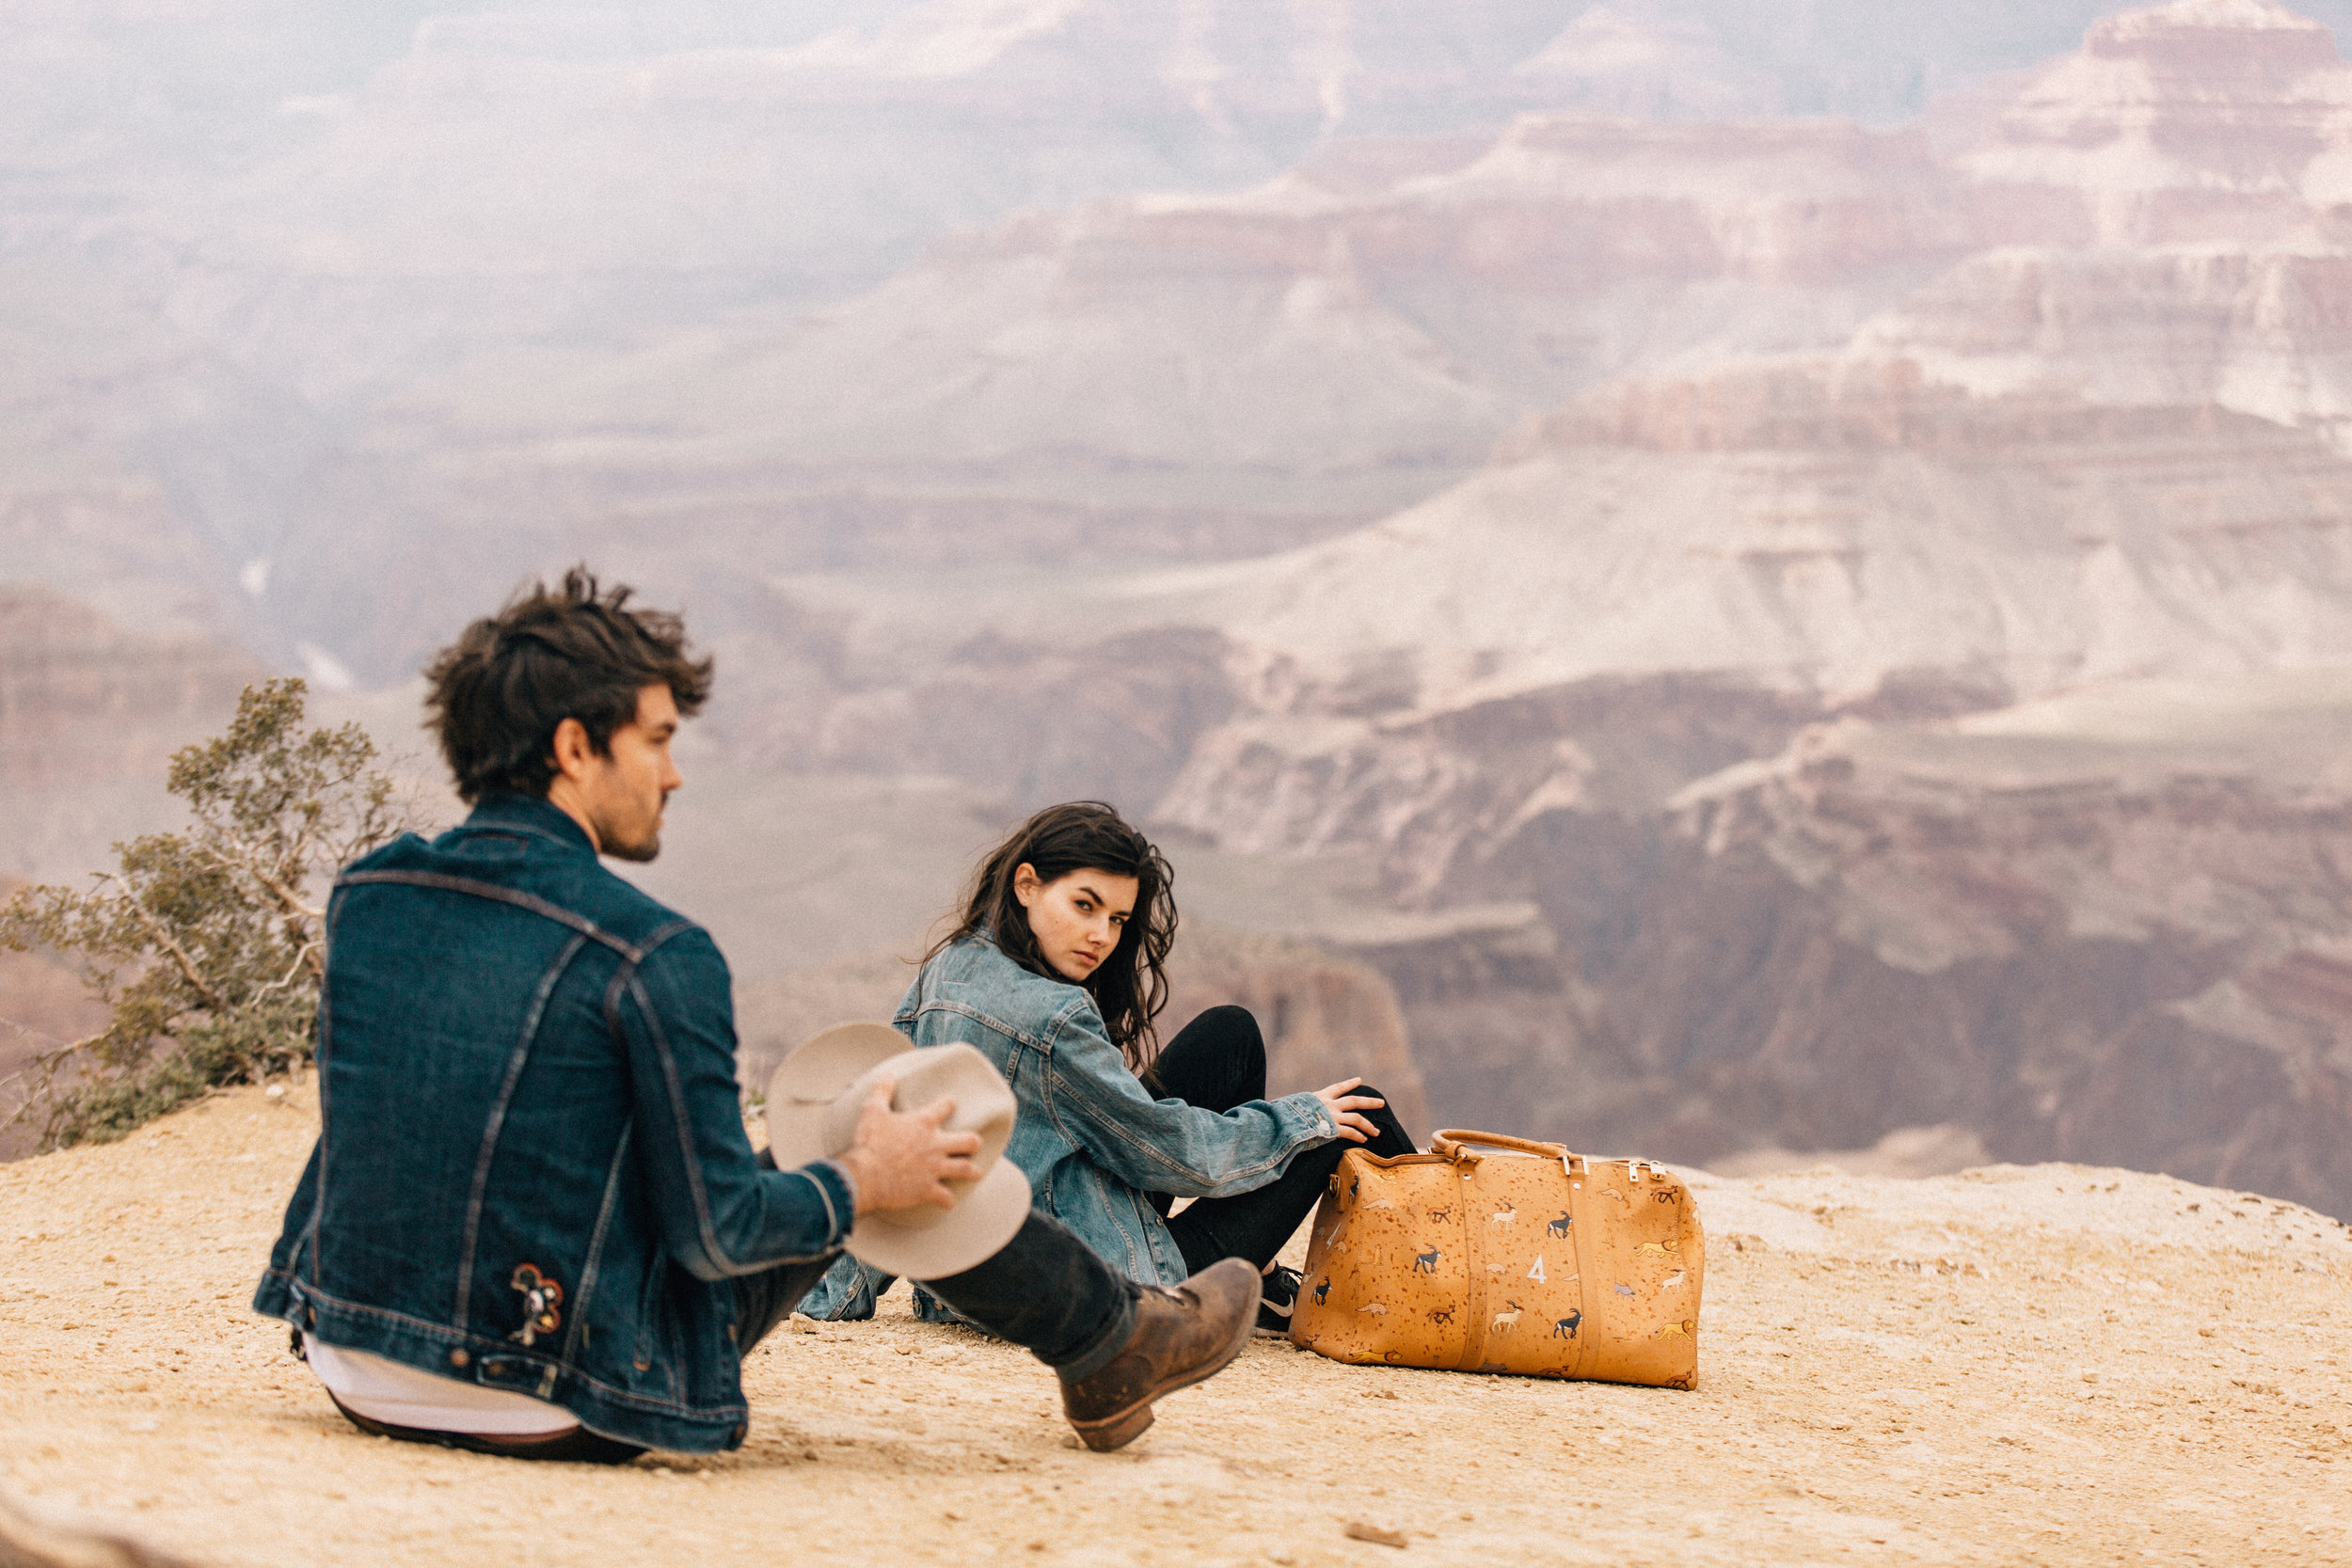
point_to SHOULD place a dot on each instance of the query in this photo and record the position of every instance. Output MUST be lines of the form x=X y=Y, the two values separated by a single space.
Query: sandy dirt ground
x=2048 y=1364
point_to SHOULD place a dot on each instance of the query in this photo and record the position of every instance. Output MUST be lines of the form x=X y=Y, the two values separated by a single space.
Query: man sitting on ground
x=533 y=1223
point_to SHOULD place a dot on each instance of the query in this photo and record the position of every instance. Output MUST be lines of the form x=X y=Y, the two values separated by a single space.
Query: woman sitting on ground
x=1055 y=969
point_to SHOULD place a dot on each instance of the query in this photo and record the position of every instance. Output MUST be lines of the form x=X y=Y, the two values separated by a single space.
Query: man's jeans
x=1045 y=1288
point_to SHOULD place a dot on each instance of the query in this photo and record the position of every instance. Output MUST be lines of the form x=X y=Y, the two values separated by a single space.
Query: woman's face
x=1077 y=918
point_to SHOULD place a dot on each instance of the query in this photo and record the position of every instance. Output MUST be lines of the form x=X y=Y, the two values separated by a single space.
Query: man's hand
x=1347 y=1109
x=900 y=1159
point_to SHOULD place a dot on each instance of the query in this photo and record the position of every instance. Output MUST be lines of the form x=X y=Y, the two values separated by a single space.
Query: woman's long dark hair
x=1130 y=987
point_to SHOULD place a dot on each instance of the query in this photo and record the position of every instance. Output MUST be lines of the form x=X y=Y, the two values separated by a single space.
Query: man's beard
x=644 y=850
x=640 y=850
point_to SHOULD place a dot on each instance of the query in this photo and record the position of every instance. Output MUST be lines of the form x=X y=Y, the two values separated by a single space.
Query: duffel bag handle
x=1453 y=1142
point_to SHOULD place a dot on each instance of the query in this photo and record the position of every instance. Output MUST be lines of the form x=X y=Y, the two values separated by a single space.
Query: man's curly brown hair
x=576 y=651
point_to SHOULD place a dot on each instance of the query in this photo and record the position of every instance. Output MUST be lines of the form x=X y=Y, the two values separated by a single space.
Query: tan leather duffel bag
x=1498 y=1255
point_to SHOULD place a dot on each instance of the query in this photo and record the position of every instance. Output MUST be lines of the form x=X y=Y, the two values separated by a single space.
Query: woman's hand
x=1347 y=1109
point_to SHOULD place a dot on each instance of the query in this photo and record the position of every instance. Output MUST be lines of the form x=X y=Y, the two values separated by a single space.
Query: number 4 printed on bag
x=1536 y=1273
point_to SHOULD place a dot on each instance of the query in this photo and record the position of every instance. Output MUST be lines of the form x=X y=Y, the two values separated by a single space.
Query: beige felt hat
x=813 y=1104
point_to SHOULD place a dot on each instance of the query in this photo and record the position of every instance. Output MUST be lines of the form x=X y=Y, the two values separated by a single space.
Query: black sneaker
x=1277 y=1293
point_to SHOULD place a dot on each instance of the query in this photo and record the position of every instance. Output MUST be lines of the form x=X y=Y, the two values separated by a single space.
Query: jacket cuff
x=1308 y=1117
x=839 y=1193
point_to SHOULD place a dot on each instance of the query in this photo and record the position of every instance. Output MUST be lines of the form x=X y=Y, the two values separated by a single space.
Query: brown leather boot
x=1184 y=1335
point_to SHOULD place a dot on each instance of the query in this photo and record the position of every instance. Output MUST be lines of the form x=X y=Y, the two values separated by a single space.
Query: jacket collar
x=521 y=813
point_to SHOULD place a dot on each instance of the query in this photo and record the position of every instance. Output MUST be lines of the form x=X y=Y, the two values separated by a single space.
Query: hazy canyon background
x=1697 y=579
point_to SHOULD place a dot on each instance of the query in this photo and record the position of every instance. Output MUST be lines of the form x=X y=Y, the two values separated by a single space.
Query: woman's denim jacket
x=525 y=1064
x=1090 y=1138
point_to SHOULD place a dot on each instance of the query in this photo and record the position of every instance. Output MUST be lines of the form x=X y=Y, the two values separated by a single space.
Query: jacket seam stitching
x=964 y=1009
x=705 y=1224
x=309 y=1247
x=515 y=897
x=675 y=928
x=833 y=1217
x=563 y=841
x=498 y=1119
x=591 y=1267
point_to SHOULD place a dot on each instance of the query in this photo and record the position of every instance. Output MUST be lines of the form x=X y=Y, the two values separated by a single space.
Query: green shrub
x=207 y=944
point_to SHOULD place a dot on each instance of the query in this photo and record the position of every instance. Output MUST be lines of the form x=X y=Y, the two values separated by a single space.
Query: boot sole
x=1117 y=1431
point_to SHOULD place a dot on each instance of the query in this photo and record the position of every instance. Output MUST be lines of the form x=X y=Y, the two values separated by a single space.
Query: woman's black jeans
x=1217 y=1062
x=1045 y=1290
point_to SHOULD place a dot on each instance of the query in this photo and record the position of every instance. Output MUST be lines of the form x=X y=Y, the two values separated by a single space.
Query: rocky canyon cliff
x=1767 y=619
x=2080 y=446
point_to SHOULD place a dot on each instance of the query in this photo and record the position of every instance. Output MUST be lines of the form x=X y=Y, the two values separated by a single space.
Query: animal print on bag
x=1506 y=1260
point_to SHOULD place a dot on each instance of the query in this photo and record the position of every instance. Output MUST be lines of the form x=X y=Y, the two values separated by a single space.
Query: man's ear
x=1025 y=882
x=570 y=750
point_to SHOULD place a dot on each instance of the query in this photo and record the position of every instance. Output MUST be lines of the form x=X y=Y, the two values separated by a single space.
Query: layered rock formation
x=2163 y=217
x=1190 y=376
x=2123 y=469
x=1728 y=554
x=2110 y=925
x=2107 y=926
x=384 y=379
x=1710 y=433
x=2149 y=222
x=347 y=225
x=1654 y=583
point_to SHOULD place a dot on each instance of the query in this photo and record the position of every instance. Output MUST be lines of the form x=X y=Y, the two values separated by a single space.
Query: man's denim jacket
x=1090 y=1138
x=527 y=1071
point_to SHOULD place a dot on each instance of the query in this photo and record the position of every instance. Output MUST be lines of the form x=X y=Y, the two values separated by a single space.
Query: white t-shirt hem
x=402 y=1396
